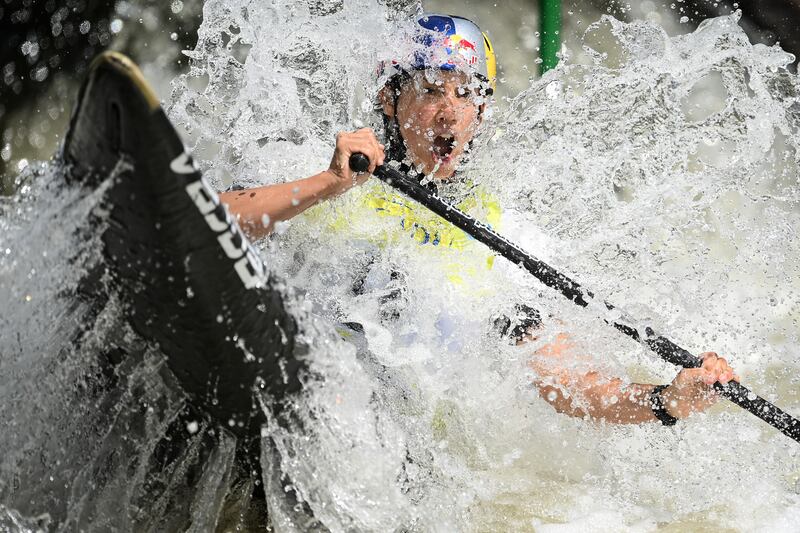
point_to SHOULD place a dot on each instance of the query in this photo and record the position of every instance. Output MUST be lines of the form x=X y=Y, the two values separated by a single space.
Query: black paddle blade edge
x=572 y=290
x=190 y=281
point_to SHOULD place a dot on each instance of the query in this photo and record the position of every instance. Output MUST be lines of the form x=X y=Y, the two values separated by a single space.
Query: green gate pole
x=550 y=34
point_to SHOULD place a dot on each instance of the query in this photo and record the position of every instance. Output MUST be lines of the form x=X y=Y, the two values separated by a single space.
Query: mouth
x=442 y=148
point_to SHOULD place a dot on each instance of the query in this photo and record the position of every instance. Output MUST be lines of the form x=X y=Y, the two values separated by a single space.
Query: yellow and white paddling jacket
x=383 y=217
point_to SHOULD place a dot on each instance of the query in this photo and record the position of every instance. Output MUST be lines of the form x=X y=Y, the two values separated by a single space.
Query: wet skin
x=438 y=113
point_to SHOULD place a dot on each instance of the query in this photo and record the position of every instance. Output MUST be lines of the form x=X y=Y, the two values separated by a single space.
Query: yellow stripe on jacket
x=402 y=216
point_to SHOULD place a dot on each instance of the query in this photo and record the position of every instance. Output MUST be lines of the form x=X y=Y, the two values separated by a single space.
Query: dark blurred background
x=47 y=45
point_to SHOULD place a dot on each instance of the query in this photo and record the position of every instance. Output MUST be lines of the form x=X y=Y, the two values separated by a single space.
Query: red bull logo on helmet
x=445 y=42
x=456 y=44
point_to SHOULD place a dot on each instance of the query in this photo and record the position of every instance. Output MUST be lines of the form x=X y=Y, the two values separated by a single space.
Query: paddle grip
x=359 y=162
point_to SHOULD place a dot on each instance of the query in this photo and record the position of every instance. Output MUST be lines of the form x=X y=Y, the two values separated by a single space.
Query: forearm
x=609 y=401
x=257 y=210
x=583 y=394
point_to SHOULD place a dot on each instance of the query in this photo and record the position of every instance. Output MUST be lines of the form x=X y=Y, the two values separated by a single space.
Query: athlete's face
x=438 y=113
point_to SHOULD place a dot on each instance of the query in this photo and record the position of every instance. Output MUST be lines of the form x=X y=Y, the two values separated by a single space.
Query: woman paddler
x=433 y=104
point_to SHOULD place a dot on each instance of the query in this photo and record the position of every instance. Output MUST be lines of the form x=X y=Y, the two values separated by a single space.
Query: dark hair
x=393 y=138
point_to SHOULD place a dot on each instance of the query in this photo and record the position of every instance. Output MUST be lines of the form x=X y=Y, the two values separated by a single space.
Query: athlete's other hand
x=692 y=390
x=348 y=143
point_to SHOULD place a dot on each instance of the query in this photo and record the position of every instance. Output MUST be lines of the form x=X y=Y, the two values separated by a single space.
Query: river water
x=663 y=175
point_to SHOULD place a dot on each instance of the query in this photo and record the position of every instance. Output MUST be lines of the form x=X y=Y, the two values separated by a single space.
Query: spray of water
x=663 y=176
x=662 y=173
x=96 y=431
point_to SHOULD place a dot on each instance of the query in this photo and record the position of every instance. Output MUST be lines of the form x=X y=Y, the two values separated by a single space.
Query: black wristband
x=657 y=406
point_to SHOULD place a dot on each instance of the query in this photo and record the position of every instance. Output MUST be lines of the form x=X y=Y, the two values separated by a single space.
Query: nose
x=446 y=112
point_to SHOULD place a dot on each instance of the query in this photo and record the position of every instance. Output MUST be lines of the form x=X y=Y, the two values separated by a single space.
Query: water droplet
x=40 y=74
x=30 y=48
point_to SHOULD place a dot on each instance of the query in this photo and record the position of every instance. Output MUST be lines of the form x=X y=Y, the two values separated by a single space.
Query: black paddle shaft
x=551 y=277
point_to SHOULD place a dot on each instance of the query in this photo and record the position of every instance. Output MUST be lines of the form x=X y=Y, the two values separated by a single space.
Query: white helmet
x=448 y=42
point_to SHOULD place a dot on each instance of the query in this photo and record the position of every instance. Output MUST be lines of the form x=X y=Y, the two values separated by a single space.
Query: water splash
x=95 y=426
x=663 y=172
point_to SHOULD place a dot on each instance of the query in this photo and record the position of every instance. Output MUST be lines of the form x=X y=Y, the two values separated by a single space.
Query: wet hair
x=393 y=137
